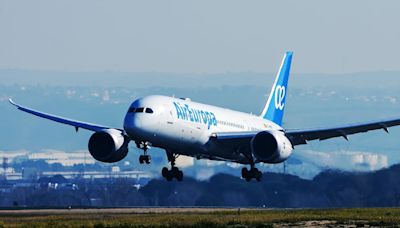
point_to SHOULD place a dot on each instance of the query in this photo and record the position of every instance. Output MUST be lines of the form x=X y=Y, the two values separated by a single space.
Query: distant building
x=30 y=173
x=65 y=159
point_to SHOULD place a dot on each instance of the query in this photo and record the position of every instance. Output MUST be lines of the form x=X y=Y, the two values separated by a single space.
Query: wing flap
x=233 y=139
x=234 y=135
x=59 y=119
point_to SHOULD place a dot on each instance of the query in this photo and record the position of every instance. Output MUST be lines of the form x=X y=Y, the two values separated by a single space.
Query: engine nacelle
x=271 y=147
x=108 y=146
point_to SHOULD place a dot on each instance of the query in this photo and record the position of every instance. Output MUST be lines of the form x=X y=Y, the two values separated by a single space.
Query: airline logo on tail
x=275 y=105
x=280 y=92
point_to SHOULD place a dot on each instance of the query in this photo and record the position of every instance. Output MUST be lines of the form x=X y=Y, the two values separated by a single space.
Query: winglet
x=12 y=102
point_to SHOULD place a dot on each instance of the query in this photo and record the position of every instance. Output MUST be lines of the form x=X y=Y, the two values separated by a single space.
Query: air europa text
x=185 y=112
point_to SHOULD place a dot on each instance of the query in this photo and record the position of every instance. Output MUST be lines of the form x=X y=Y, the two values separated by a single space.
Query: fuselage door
x=170 y=118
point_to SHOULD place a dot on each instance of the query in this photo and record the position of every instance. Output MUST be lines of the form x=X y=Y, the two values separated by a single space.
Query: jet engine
x=108 y=145
x=271 y=147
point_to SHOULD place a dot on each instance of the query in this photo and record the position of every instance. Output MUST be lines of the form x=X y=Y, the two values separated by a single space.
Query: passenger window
x=149 y=110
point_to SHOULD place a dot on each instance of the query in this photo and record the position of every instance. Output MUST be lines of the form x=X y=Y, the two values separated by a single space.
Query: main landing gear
x=145 y=158
x=252 y=173
x=174 y=172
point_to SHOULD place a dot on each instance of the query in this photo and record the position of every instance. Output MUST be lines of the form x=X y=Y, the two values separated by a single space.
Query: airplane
x=183 y=127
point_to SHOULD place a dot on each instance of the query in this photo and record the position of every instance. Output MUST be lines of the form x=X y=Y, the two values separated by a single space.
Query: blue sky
x=199 y=36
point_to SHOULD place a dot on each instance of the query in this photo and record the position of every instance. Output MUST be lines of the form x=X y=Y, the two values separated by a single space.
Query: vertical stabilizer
x=273 y=109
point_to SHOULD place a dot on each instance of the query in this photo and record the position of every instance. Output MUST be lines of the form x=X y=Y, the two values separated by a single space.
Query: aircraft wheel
x=173 y=173
x=177 y=173
x=164 y=172
x=250 y=174
x=144 y=159
x=253 y=172
x=169 y=176
x=147 y=159
x=245 y=173
x=174 y=169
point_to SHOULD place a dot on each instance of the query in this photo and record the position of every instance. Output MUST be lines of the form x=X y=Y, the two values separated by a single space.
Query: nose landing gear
x=145 y=158
x=174 y=172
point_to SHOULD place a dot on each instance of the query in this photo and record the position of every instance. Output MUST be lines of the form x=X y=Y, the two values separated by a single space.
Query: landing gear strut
x=145 y=158
x=174 y=172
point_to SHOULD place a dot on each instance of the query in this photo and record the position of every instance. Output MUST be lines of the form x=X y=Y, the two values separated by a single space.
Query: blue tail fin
x=275 y=105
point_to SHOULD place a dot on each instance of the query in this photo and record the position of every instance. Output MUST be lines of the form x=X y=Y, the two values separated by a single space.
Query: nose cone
x=142 y=119
x=132 y=122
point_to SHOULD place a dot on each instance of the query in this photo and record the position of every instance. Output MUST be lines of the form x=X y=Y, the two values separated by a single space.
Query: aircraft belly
x=201 y=152
x=228 y=154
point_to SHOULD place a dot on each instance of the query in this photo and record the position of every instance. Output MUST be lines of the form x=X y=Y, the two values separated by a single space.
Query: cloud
x=184 y=161
x=63 y=157
x=12 y=154
x=70 y=93
x=234 y=165
x=3 y=98
x=95 y=94
x=66 y=158
x=392 y=100
x=106 y=96
x=209 y=163
x=204 y=173
x=345 y=160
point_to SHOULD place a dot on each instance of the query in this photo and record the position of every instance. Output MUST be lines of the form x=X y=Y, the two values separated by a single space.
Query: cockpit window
x=136 y=110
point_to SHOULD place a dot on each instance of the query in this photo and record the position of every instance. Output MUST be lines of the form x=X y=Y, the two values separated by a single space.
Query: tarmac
x=135 y=210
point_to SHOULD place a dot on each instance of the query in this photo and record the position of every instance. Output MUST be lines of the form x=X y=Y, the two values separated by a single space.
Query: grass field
x=185 y=217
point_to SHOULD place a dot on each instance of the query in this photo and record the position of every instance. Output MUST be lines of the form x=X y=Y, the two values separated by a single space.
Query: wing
x=298 y=137
x=74 y=123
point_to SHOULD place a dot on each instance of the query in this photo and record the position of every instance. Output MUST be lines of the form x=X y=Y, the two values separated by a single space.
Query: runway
x=200 y=217
x=133 y=210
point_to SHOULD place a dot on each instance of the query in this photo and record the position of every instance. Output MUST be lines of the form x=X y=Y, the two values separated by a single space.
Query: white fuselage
x=185 y=127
